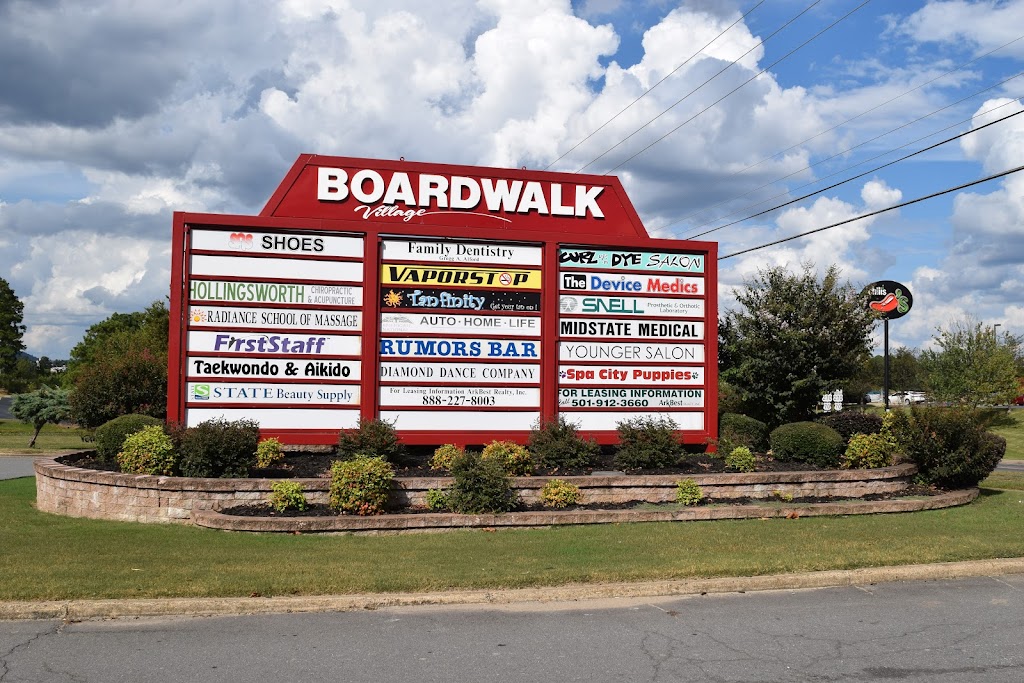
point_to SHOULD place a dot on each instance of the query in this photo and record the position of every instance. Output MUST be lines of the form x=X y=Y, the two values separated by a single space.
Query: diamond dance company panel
x=474 y=307
x=285 y=353
x=631 y=342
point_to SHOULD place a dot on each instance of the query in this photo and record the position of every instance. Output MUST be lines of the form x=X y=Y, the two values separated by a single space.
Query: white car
x=908 y=397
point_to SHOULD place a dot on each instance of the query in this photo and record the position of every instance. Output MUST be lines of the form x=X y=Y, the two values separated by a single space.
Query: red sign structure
x=462 y=304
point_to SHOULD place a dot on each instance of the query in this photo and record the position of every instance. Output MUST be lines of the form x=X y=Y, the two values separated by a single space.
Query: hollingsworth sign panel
x=461 y=304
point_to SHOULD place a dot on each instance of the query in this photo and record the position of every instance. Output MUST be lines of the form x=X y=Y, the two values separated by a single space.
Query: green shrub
x=516 y=460
x=739 y=430
x=556 y=445
x=688 y=492
x=559 y=494
x=437 y=500
x=647 y=442
x=480 y=486
x=850 y=422
x=371 y=437
x=148 y=451
x=130 y=382
x=361 y=485
x=217 y=448
x=269 y=453
x=445 y=455
x=866 y=451
x=809 y=442
x=784 y=496
x=287 y=495
x=110 y=435
x=949 y=445
x=741 y=459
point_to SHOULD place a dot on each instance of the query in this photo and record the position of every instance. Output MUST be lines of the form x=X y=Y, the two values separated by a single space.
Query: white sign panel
x=490 y=373
x=242 y=241
x=631 y=305
x=274 y=293
x=461 y=421
x=603 y=259
x=624 y=351
x=640 y=329
x=277 y=394
x=630 y=398
x=461 y=397
x=294 y=269
x=273 y=344
x=460 y=252
x=630 y=374
x=408 y=322
x=626 y=283
x=606 y=421
x=278 y=418
x=246 y=316
x=269 y=368
x=459 y=348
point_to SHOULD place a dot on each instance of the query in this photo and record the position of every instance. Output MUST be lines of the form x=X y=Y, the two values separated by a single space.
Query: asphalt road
x=5 y=408
x=14 y=466
x=957 y=631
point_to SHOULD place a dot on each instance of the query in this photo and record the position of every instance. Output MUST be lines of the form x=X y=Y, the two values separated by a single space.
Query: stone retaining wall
x=77 y=492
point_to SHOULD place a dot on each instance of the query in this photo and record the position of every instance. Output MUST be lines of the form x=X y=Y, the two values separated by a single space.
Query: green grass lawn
x=52 y=557
x=1010 y=425
x=16 y=435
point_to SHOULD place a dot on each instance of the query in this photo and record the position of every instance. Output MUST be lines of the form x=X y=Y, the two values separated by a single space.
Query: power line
x=716 y=75
x=665 y=78
x=875 y=213
x=872 y=170
x=785 y=56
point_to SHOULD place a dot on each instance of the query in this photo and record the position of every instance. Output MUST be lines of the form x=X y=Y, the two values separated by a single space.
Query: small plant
x=516 y=460
x=371 y=437
x=647 y=442
x=740 y=459
x=688 y=492
x=559 y=494
x=866 y=451
x=480 y=486
x=287 y=495
x=110 y=436
x=437 y=500
x=810 y=442
x=360 y=485
x=556 y=445
x=217 y=448
x=784 y=496
x=269 y=453
x=445 y=456
x=148 y=451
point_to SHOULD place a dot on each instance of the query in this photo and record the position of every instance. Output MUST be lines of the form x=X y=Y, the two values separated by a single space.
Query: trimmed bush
x=647 y=442
x=688 y=492
x=850 y=422
x=741 y=459
x=437 y=500
x=950 y=446
x=866 y=451
x=739 y=430
x=556 y=445
x=148 y=451
x=371 y=437
x=810 y=442
x=361 y=485
x=269 y=454
x=110 y=435
x=445 y=455
x=287 y=495
x=217 y=448
x=516 y=460
x=559 y=494
x=480 y=486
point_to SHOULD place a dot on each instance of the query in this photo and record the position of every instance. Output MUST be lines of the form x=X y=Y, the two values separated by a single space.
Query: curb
x=76 y=610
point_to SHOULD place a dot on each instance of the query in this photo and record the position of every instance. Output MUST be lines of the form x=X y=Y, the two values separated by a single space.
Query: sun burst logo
x=393 y=299
x=198 y=315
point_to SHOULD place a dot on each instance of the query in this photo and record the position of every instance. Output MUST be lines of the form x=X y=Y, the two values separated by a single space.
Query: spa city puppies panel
x=631 y=336
x=460 y=335
x=274 y=328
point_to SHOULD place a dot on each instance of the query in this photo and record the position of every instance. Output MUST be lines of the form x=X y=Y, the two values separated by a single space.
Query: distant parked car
x=908 y=397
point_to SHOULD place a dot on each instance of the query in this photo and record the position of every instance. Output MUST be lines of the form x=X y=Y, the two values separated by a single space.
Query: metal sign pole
x=885 y=367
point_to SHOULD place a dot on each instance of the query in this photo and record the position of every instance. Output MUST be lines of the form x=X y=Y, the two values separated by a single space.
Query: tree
x=905 y=373
x=795 y=339
x=11 y=329
x=41 y=407
x=118 y=334
x=971 y=366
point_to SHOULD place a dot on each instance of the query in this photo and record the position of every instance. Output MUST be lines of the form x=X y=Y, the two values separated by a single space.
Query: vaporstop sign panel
x=461 y=304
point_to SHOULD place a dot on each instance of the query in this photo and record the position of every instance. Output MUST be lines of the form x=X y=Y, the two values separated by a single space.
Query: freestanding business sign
x=461 y=304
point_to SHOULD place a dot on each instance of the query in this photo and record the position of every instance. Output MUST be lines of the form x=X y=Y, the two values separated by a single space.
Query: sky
x=115 y=113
